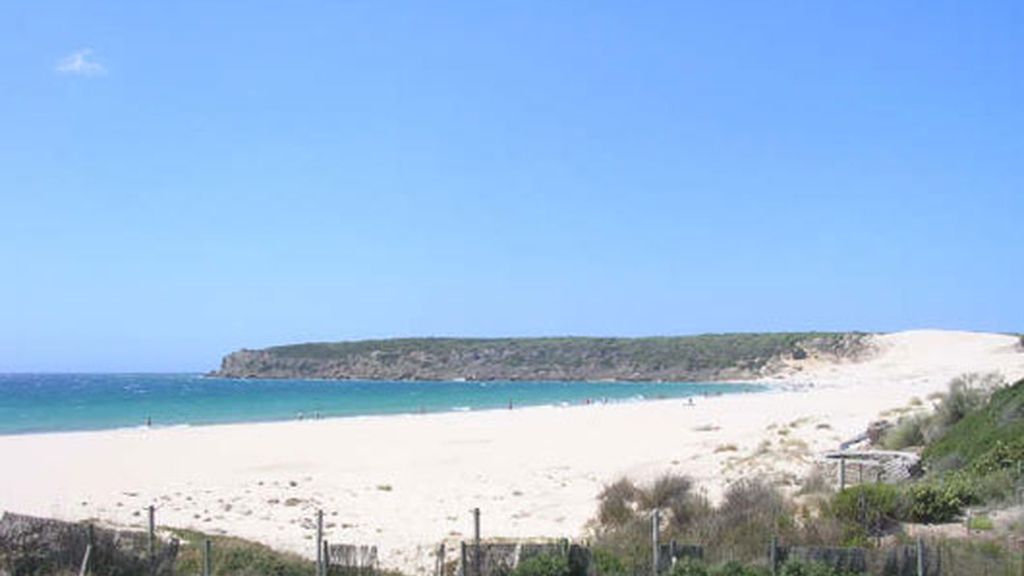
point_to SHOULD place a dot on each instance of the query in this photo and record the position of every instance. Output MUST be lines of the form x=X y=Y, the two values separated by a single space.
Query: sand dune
x=408 y=482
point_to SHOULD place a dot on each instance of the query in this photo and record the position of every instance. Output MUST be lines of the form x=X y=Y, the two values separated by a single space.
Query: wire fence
x=30 y=546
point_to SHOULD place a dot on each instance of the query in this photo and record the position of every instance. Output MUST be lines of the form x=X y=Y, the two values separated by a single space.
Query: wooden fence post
x=207 y=560
x=325 y=548
x=84 y=569
x=319 y=543
x=478 y=568
x=90 y=532
x=152 y=539
x=440 y=560
x=463 y=571
x=842 y=474
x=655 y=536
x=920 y=556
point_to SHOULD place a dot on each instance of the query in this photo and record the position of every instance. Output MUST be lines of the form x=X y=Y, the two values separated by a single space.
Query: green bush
x=689 y=567
x=946 y=464
x=1003 y=455
x=733 y=568
x=543 y=565
x=966 y=395
x=797 y=568
x=983 y=523
x=996 y=487
x=873 y=509
x=607 y=564
x=930 y=503
x=868 y=509
x=908 y=432
x=238 y=557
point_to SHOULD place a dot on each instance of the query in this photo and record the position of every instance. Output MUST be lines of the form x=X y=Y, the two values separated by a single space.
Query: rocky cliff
x=685 y=358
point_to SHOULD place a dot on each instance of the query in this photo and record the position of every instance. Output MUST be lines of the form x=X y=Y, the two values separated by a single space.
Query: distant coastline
x=706 y=358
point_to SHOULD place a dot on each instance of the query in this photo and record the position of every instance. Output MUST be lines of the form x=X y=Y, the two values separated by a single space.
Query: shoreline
x=142 y=428
x=407 y=483
x=311 y=412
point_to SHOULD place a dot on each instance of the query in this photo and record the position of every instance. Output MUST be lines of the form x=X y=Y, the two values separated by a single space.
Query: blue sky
x=179 y=180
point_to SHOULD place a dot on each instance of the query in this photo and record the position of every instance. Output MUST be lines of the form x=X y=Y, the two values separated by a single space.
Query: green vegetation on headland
x=683 y=358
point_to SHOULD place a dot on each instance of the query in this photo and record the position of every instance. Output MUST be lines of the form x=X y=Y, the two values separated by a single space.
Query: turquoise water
x=62 y=402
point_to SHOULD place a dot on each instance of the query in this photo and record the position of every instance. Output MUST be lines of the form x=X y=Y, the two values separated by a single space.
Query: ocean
x=65 y=402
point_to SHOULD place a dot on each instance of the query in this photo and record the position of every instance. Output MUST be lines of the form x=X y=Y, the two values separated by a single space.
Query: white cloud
x=80 y=63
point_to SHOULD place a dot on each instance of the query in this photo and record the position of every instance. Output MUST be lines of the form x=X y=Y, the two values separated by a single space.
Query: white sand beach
x=405 y=483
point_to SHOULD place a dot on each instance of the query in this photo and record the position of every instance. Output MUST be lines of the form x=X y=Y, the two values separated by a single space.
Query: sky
x=183 y=179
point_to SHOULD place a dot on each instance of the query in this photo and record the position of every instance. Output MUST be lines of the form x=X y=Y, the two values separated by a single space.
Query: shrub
x=909 y=431
x=689 y=567
x=947 y=463
x=932 y=504
x=624 y=548
x=816 y=482
x=966 y=394
x=238 y=557
x=674 y=493
x=543 y=565
x=868 y=509
x=818 y=527
x=623 y=504
x=607 y=564
x=797 y=568
x=734 y=568
x=666 y=490
x=751 y=510
x=617 y=503
x=1001 y=456
x=998 y=487
x=980 y=523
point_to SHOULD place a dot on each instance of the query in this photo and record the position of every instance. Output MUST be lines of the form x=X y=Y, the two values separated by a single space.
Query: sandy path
x=407 y=482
